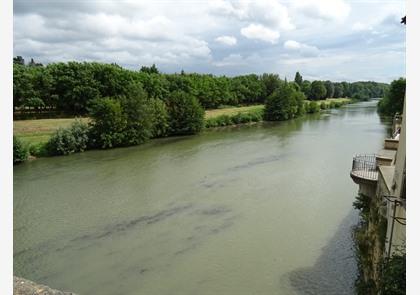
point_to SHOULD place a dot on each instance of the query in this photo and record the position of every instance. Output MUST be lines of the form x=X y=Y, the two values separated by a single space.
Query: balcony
x=391 y=144
x=364 y=169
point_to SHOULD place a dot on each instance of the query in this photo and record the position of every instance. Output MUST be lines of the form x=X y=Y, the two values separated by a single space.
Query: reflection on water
x=260 y=209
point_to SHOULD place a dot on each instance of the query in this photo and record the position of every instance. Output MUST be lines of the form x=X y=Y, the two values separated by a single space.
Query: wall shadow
x=335 y=271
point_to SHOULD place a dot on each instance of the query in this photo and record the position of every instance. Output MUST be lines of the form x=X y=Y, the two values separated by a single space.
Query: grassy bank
x=37 y=132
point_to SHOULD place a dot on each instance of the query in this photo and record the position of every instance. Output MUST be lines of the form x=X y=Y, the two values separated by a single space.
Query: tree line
x=67 y=89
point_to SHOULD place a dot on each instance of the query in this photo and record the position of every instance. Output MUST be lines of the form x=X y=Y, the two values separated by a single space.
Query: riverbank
x=36 y=133
x=40 y=130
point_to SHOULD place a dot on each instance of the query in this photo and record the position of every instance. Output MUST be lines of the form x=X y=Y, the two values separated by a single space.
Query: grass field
x=328 y=100
x=232 y=111
x=39 y=131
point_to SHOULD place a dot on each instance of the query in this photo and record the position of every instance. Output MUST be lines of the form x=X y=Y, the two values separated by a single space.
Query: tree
x=338 y=90
x=271 y=82
x=394 y=99
x=318 y=90
x=298 y=79
x=19 y=60
x=186 y=116
x=160 y=118
x=330 y=88
x=108 y=123
x=150 y=70
x=284 y=103
x=306 y=88
x=32 y=63
x=137 y=114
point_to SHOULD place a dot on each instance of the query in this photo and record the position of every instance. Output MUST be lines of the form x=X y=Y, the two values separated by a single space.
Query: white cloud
x=303 y=49
x=176 y=34
x=226 y=40
x=108 y=38
x=238 y=60
x=359 y=26
x=260 y=32
x=337 y=10
x=231 y=60
x=270 y=13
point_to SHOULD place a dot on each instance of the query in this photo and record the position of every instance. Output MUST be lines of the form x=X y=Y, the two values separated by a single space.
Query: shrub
x=323 y=105
x=239 y=118
x=20 y=151
x=393 y=279
x=186 y=116
x=313 y=107
x=160 y=118
x=69 y=140
x=333 y=104
x=38 y=149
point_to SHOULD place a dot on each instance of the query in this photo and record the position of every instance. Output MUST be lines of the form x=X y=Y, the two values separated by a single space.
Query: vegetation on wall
x=369 y=237
x=393 y=277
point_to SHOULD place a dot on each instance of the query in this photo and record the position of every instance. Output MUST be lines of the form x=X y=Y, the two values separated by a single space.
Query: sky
x=338 y=40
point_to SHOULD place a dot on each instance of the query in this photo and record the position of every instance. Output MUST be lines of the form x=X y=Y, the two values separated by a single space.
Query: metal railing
x=364 y=166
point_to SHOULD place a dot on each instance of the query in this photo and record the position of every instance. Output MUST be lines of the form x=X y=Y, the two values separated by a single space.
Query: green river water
x=260 y=209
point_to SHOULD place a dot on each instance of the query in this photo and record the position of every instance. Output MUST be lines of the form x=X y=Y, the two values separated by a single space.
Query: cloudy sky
x=323 y=39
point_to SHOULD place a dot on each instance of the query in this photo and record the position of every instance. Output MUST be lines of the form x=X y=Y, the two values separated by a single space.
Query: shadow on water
x=335 y=271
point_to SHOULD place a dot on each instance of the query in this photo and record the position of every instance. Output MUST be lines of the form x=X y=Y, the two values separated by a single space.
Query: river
x=260 y=209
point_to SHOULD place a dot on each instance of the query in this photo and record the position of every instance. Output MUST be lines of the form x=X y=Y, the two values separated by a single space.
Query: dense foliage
x=186 y=116
x=284 y=103
x=69 y=140
x=128 y=107
x=20 y=151
x=63 y=89
x=313 y=107
x=393 y=278
x=393 y=101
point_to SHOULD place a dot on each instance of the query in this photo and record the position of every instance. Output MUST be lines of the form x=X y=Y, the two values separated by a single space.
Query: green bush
x=20 y=151
x=186 y=116
x=239 y=118
x=138 y=116
x=393 y=279
x=333 y=104
x=393 y=101
x=323 y=105
x=38 y=149
x=313 y=107
x=70 y=140
x=284 y=103
x=108 y=122
x=160 y=118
